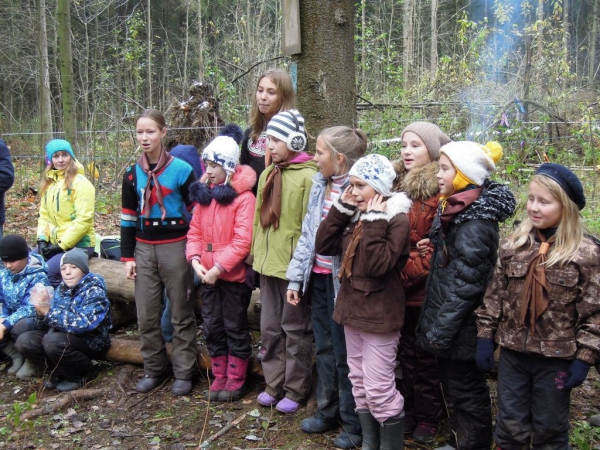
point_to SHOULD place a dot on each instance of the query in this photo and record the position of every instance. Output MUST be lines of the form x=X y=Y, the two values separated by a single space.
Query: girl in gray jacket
x=313 y=277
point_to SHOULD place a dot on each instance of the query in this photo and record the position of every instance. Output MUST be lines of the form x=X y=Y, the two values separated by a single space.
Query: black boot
x=392 y=433
x=370 y=429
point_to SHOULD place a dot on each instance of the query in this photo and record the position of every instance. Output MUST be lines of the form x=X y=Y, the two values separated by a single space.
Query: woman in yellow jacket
x=67 y=208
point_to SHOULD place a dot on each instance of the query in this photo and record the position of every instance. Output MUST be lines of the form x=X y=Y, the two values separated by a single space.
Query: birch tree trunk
x=593 y=40
x=407 y=35
x=149 y=54
x=433 y=57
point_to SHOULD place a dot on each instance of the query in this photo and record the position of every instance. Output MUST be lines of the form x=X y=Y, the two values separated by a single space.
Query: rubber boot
x=370 y=430
x=392 y=433
x=17 y=359
x=219 y=371
x=235 y=388
x=27 y=370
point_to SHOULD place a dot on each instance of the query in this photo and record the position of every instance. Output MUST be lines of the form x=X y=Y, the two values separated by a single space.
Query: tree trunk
x=184 y=85
x=363 y=50
x=433 y=57
x=127 y=351
x=326 y=70
x=44 y=73
x=149 y=53
x=566 y=38
x=200 y=44
x=63 y=17
x=408 y=40
x=593 y=40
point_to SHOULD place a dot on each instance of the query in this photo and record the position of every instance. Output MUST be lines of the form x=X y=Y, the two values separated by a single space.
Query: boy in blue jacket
x=20 y=271
x=73 y=328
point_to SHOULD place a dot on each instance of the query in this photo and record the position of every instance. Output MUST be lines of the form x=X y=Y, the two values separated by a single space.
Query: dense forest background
x=528 y=70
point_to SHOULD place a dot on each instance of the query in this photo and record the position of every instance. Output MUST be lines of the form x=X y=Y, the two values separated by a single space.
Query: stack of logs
x=121 y=294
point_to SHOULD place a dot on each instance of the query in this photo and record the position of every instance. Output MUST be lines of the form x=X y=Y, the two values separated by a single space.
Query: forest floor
x=108 y=413
x=114 y=416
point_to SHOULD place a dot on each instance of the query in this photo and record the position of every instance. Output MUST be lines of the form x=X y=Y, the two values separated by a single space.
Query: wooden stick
x=206 y=444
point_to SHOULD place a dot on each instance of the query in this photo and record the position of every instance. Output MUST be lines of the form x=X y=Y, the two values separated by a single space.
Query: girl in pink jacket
x=219 y=241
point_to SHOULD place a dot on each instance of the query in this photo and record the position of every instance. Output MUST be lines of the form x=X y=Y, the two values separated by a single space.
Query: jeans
x=334 y=389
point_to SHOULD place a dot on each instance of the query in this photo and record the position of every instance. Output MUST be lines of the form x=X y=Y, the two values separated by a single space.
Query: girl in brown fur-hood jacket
x=368 y=224
x=542 y=308
x=416 y=176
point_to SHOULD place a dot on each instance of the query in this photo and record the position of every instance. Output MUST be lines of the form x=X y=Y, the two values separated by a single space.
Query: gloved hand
x=577 y=373
x=484 y=355
x=42 y=244
x=51 y=250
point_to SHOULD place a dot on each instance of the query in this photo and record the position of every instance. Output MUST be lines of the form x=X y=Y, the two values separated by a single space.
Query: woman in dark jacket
x=465 y=235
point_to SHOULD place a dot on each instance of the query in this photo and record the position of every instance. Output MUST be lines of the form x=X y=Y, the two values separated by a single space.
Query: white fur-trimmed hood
x=398 y=203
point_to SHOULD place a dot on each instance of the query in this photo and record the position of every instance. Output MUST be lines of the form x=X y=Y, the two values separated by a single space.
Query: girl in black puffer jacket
x=465 y=235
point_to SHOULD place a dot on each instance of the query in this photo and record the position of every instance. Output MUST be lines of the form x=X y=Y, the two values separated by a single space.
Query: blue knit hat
x=566 y=180
x=58 y=145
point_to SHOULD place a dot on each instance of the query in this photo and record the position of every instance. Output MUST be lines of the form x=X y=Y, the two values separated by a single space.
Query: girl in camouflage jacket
x=542 y=308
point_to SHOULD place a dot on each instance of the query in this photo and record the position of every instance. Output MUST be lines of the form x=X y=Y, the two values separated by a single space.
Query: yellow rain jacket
x=67 y=215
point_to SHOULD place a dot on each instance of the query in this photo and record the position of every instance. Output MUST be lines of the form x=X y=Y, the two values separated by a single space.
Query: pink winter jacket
x=221 y=227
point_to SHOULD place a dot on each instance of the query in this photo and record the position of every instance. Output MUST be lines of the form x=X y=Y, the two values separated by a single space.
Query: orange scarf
x=270 y=210
x=163 y=161
x=348 y=259
x=534 y=297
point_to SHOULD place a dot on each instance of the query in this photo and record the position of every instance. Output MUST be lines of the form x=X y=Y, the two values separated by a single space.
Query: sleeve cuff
x=294 y=286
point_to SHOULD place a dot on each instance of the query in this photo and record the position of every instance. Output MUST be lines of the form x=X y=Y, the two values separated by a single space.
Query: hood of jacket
x=55 y=174
x=419 y=183
x=496 y=203
x=189 y=154
x=398 y=203
x=242 y=180
x=35 y=264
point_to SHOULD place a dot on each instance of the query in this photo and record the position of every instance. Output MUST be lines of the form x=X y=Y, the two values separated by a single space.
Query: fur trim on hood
x=242 y=180
x=398 y=203
x=419 y=183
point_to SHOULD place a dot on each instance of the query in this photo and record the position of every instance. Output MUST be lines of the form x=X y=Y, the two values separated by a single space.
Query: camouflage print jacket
x=568 y=329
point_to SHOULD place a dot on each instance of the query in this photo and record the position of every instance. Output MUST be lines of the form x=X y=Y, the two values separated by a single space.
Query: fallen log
x=128 y=351
x=122 y=296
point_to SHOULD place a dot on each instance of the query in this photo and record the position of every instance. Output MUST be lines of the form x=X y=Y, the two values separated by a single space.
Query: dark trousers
x=532 y=411
x=420 y=385
x=51 y=350
x=225 y=318
x=471 y=416
x=334 y=389
x=22 y=326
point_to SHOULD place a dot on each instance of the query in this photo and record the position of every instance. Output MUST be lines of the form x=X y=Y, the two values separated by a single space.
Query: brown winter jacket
x=568 y=329
x=373 y=299
x=421 y=186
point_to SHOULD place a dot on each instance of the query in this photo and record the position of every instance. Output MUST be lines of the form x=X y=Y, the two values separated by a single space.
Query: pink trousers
x=372 y=359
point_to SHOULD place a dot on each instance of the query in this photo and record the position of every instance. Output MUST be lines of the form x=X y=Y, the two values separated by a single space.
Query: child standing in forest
x=369 y=226
x=337 y=150
x=465 y=235
x=219 y=241
x=281 y=204
x=153 y=239
x=416 y=170
x=274 y=93
x=542 y=308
